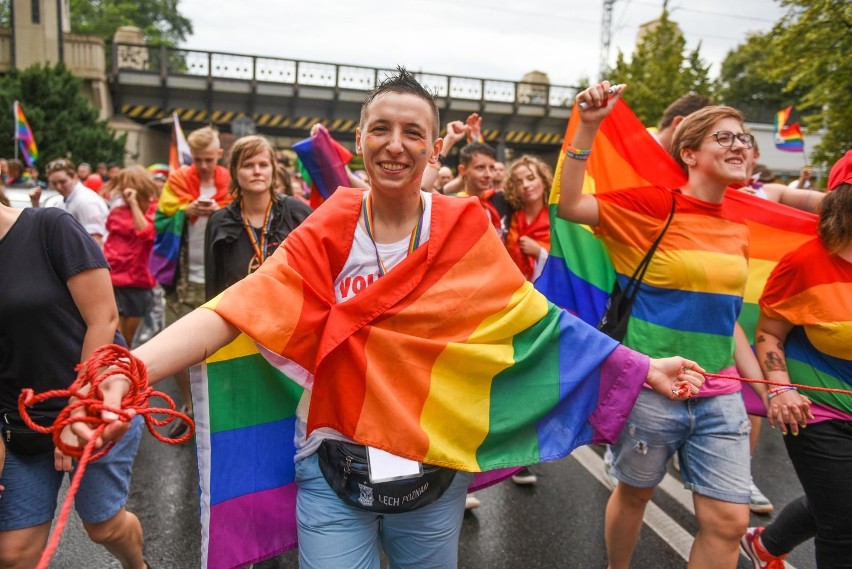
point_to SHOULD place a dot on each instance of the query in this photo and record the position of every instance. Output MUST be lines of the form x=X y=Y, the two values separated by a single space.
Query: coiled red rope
x=106 y=362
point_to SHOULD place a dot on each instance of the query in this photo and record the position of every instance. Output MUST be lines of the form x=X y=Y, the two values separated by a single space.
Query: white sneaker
x=524 y=477
x=471 y=502
x=610 y=479
x=758 y=502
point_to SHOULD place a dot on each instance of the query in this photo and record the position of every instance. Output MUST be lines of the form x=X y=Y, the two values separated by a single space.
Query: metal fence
x=166 y=61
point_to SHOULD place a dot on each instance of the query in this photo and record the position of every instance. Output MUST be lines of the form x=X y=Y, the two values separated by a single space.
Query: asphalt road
x=558 y=523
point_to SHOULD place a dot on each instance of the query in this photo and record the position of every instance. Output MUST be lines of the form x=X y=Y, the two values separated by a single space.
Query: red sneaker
x=754 y=550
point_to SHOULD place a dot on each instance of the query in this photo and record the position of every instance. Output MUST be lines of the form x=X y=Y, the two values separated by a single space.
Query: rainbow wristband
x=779 y=390
x=577 y=153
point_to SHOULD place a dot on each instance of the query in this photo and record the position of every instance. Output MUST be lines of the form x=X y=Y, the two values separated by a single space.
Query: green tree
x=62 y=120
x=809 y=52
x=5 y=13
x=745 y=83
x=660 y=72
x=160 y=20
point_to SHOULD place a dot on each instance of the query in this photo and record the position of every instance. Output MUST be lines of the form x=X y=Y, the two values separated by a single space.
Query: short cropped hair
x=696 y=127
x=470 y=150
x=59 y=165
x=683 y=107
x=243 y=149
x=202 y=138
x=403 y=83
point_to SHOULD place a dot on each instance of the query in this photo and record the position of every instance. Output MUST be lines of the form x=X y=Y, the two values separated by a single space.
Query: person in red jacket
x=130 y=238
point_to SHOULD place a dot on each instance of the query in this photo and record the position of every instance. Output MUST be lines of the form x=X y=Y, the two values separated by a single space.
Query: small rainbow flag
x=579 y=273
x=324 y=161
x=179 y=153
x=472 y=367
x=788 y=137
x=24 y=136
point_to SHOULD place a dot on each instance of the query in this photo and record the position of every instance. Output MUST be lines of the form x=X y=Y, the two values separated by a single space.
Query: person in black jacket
x=242 y=235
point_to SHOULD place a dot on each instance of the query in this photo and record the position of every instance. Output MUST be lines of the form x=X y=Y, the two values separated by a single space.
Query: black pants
x=822 y=457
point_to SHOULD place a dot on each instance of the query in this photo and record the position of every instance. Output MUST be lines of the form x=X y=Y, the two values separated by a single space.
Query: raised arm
x=574 y=205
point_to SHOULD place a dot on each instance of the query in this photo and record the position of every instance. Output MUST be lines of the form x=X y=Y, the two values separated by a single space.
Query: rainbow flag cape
x=495 y=375
x=579 y=275
x=788 y=137
x=24 y=136
x=179 y=152
x=182 y=187
x=323 y=159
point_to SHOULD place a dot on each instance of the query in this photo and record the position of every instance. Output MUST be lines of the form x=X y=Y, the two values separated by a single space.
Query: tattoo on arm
x=774 y=362
x=760 y=338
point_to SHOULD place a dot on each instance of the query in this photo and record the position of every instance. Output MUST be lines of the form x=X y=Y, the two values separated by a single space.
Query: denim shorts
x=710 y=435
x=333 y=534
x=32 y=485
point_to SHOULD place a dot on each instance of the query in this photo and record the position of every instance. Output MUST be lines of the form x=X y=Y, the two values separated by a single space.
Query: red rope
x=106 y=362
x=779 y=384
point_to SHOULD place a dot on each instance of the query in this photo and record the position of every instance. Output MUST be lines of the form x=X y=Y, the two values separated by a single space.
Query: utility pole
x=606 y=37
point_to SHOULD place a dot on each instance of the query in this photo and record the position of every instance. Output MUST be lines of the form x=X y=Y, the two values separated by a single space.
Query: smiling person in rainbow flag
x=424 y=356
x=690 y=299
x=191 y=194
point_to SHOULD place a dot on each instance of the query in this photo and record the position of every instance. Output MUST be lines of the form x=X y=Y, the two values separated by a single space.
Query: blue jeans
x=711 y=434
x=333 y=534
x=32 y=485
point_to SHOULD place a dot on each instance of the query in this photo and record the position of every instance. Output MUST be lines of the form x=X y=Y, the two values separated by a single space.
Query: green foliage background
x=64 y=124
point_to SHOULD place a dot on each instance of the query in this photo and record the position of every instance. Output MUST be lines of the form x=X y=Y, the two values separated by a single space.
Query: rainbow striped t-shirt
x=692 y=293
x=812 y=290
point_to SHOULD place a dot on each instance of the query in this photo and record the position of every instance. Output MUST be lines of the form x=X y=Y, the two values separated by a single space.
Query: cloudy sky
x=473 y=38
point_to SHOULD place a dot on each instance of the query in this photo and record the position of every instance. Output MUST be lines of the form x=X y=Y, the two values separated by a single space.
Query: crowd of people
x=131 y=243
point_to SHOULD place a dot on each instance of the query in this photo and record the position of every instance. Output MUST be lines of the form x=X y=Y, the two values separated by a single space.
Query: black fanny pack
x=344 y=466
x=20 y=439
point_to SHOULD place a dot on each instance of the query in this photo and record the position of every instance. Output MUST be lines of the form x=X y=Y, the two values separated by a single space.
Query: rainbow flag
x=179 y=152
x=244 y=437
x=788 y=137
x=24 y=136
x=494 y=377
x=324 y=160
x=182 y=187
x=579 y=274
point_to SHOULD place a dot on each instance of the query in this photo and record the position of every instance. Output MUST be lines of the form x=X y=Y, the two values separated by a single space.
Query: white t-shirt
x=360 y=271
x=88 y=208
x=195 y=240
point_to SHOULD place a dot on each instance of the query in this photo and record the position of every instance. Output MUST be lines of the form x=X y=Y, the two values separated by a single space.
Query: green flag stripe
x=248 y=391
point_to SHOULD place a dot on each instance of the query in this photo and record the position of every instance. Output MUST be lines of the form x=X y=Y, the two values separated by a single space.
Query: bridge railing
x=166 y=61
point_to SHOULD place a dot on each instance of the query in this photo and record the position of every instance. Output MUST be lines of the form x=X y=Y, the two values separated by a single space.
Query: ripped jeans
x=710 y=434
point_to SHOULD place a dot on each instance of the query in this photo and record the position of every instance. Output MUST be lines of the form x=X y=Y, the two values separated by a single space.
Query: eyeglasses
x=726 y=138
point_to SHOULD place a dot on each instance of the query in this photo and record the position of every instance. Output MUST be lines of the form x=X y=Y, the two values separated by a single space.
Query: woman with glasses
x=688 y=301
x=56 y=307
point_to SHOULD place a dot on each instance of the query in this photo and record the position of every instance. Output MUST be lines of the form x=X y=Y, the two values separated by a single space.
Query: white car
x=20 y=197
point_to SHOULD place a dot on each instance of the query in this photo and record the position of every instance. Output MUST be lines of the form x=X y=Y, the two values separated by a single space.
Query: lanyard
x=259 y=243
x=413 y=241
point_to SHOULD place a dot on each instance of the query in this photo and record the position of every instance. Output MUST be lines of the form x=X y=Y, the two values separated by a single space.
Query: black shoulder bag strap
x=631 y=289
